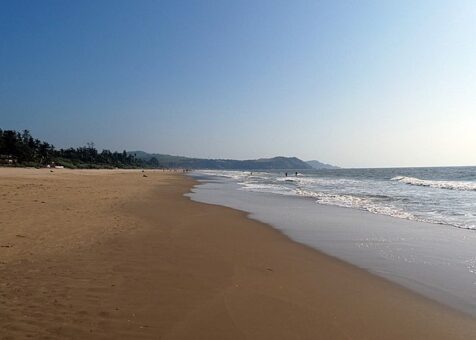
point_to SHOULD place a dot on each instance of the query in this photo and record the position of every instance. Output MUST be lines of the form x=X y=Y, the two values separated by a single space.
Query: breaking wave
x=450 y=185
x=350 y=201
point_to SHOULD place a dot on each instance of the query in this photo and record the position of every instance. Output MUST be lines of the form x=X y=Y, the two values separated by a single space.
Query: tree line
x=21 y=149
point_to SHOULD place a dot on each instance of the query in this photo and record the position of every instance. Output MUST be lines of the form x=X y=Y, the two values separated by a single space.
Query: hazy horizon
x=352 y=84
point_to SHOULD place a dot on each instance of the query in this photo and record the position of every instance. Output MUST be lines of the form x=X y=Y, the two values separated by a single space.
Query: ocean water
x=415 y=227
x=436 y=195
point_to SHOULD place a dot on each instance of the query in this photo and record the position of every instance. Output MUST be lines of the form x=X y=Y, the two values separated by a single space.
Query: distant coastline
x=274 y=163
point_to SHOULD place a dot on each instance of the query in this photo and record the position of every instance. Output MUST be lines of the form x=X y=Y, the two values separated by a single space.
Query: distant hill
x=319 y=165
x=169 y=161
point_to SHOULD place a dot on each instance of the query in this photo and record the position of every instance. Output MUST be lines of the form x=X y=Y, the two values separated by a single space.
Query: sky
x=351 y=83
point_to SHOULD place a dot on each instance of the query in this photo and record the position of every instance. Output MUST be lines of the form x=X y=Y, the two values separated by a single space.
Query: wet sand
x=113 y=254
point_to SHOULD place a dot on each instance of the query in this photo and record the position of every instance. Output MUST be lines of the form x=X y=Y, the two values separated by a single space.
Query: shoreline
x=429 y=259
x=142 y=260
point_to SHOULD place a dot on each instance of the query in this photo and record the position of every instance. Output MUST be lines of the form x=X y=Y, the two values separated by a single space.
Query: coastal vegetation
x=22 y=149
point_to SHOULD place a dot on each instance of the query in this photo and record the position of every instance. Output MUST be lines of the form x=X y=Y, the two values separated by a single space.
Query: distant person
x=296 y=173
x=286 y=174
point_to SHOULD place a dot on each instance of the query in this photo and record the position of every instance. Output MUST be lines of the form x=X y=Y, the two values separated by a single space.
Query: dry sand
x=115 y=255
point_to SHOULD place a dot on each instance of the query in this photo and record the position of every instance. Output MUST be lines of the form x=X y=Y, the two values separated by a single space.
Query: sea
x=437 y=195
x=413 y=226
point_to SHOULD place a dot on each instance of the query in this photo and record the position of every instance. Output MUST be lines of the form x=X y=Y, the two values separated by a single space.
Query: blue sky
x=353 y=83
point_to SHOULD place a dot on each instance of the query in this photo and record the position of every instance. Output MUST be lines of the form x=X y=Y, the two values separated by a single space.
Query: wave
x=269 y=188
x=350 y=201
x=309 y=181
x=450 y=185
x=232 y=174
x=367 y=204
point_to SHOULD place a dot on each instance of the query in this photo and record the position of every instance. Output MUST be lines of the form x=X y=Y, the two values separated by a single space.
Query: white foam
x=270 y=188
x=451 y=185
x=305 y=181
x=236 y=175
x=350 y=201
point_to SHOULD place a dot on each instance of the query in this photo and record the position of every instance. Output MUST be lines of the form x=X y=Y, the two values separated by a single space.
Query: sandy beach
x=111 y=254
